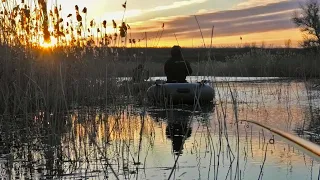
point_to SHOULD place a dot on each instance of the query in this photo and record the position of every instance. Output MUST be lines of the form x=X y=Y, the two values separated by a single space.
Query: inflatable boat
x=181 y=93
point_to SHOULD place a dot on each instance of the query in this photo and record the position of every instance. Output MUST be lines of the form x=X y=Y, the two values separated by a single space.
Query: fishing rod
x=308 y=146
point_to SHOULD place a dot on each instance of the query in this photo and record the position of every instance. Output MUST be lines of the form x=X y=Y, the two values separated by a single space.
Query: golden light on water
x=126 y=128
x=114 y=128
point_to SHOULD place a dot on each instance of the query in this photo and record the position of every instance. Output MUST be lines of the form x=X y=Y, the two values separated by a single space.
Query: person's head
x=176 y=51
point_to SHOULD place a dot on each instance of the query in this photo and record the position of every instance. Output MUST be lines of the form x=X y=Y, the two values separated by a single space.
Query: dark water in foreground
x=135 y=142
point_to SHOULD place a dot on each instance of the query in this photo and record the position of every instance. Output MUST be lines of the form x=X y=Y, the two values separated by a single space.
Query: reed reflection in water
x=145 y=143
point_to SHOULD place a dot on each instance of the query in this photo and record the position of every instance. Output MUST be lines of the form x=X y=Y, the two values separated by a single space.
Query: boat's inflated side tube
x=180 y=93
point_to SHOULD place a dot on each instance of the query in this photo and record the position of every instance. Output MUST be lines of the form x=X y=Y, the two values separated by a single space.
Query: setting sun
x=47 y=45
x=52 y=43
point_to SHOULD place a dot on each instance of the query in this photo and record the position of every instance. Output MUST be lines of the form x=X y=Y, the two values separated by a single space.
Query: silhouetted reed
x=40 y=26
x=62 y=100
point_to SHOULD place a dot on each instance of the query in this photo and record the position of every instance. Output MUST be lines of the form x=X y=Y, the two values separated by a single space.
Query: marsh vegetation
x=66 y=113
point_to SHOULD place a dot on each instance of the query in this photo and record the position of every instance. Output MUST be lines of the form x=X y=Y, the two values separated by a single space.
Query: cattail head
x=124 y=5
x=91 y=23
x=56 y=11
x=84 y=10
x=124 y=27
x=76 y=7
x=114 y=24
x=123 y=30
x=79 y=18
x=104 y=23
x=69 y=15
x=27 y=13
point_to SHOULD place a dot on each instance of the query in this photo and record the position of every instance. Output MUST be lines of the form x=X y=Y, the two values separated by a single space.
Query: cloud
x=254 y=3
x=132 y=13
x=264 y=18
x=202 y=11
x=118 y=15
x=178 y=4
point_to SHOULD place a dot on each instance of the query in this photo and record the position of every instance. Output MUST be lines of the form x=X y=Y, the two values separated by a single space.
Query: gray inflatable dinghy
x=180 y=93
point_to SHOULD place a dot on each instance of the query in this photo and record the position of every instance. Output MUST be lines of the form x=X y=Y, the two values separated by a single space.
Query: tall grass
x=55 y=79
x=54 y=98
x=36 y=23
x=37 y=79
x=73 y=71
x=49 y=63
x=90 y=142
x=260 y=62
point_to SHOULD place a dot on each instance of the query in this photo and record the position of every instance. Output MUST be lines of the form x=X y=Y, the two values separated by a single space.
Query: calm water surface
x=133 y=142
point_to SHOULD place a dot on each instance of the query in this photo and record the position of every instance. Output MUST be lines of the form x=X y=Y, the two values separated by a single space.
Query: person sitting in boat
x=140 y=74
x=176 y=68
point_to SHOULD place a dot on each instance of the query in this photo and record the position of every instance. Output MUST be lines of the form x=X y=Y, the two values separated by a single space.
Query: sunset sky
x=256 y=21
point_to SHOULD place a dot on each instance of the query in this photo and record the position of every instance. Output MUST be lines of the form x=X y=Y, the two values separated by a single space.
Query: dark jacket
x=176 y=68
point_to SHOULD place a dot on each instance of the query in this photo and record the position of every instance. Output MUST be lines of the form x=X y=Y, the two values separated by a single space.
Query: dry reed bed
x=33 y=80
x=37 y=79
x=121 y=139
